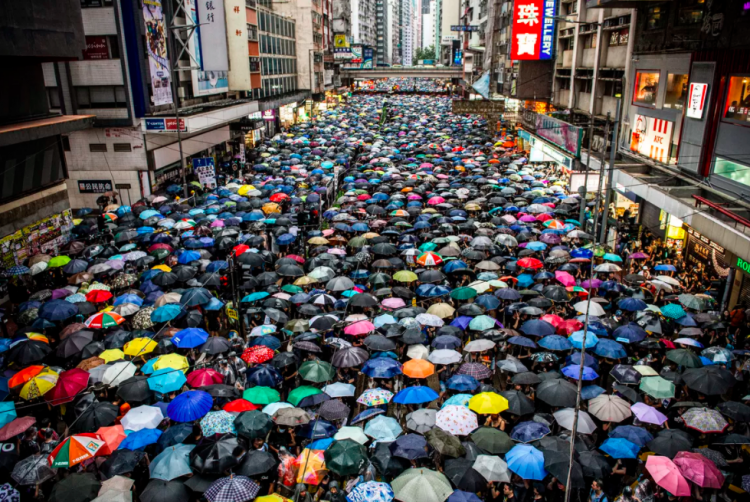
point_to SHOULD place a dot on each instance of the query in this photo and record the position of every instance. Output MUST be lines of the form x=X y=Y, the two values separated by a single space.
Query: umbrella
x=421 y=485
x=492 y=468
x=457 y=420
x=705 y=420
x=492 y=440
x=609 y=408
x=488 y=403
x=79 y=487
x=421 y=421
x=526 y=461
x=77 y=448
x=699 y=469
x=371 y=491
x=232 y=489
x=172 y=463
x=253 y=424
x=345 y=457
x=213 y=455
x=159 y=490
x=669 y=442
x=445 y=443
x=667 y=475
x=32 y=470
x=189 y=406
x=619 y=448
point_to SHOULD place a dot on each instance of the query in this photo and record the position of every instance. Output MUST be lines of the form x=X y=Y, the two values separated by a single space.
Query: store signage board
x=697 y=97
x=533 y=30
x=560 y=133
x=205 y=170
x=464 y=27
x=164 y=125
x=652 y=137
x=743 y=265
x=94 y=186
x=96 y=48
x=479 y=106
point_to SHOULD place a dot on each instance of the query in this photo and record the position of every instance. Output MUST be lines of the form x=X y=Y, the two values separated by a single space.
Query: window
x=101 y=96
x=97 y=147
x=65 y=143
x=690 y=12
x=656 y=17
x=734 y=171
x=737 y=107
x=122 y=147
x=676 y=91
x=618 y=37
x=53 y=95
x=96 y=3
x=646 y=88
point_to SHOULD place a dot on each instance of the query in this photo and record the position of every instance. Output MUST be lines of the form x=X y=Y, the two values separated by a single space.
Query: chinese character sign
x=533 y=30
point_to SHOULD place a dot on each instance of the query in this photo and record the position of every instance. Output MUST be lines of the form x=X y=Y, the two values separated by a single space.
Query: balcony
x=589 y=57
x=251 y=4
x=616 y=56
x=567 y=58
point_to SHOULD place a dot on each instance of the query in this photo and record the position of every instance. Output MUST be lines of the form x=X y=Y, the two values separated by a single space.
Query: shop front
x=541 y=151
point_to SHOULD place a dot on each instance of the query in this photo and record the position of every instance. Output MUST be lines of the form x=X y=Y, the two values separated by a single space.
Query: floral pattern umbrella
x=375 y=397
x=142 y=319
x=705 y=420
x=218 y=422
x=458 y=420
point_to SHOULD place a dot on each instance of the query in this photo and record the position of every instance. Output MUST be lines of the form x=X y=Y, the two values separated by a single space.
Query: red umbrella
x=160 y=245
x=569 y=326
x=553 y=319
x=699 y=469
x=70 y=383
x=531 y=263
x=668 y=343
x=258 y=354
x=296 y=258
x=240 y=248
x=278 y=197
x=240 y=405
x=203 y=377
x=98 y=296
x=16 y=427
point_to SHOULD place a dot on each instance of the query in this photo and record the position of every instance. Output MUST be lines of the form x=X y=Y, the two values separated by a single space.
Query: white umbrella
x=118 y=373
x=458 y=420
x=430 y=320
x=142 y=417
x=417 y=352
x=353 y=433
x=492 y=467
x=607 y=267
x=98 y=373
x=444 y=356
x=479 y=345
x=661 y=285
x=669 y=280
x=565 y=418
x=592 y=307
x=421 y=421
x=609 y=408
x=339 y=389
x=272 y=408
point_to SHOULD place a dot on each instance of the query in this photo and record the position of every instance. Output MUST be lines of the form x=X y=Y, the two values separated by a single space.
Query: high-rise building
x=428 y=24
x=363 y=29
x=447 y=14
x=384 y=31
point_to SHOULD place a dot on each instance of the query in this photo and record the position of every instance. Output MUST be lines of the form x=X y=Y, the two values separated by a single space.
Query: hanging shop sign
x=478 y=106
x=269 y=115
x=237 y=37
x=204 y=82
x=212 y=29
x=205 y=170
x=652 y=137
x=560 y=133
x=164 y=125
x=702 y=250
x=158 y=58
x=340 y=41
x=697 y=96
x=94 y=186
x=96 y=48
x=533 y=30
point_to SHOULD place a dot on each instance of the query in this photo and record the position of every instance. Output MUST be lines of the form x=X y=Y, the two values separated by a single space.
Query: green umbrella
x=421 y=485
x=317 y=371
x=345 y=457
x=291 y=289
x=261 y=395
x=492 y=440
x=463 y=293
x=357 y=242
x=428 y=246
x=684 y=357
x=301 y=393
x=298 y=325
x=657 y=387
x=58 y=261
x=253 y=424
x=379 y=279
x=159 y=254
x=445 y=443
x=482 y=323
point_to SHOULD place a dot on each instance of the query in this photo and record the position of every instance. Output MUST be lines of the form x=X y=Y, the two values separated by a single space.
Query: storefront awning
x=12 y=134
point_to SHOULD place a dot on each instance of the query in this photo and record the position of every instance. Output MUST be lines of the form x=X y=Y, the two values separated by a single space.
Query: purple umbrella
x=550 y=239
x=462 y=322
x=61 y=293
x=591 y=283
x=648 y=414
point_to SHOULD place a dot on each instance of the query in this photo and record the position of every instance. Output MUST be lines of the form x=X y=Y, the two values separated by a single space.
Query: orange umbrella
x=113 y=435
x=24 y=375
x=418 y=368
x=76 y=449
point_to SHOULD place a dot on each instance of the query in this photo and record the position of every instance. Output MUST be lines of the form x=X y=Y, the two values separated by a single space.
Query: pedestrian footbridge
x=413 y=71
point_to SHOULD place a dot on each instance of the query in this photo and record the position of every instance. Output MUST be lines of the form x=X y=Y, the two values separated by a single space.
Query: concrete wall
x=41 y=29
x=99 y=21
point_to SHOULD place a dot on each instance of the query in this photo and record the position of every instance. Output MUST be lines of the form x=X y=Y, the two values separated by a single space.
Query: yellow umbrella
x=173 y=361
x=318 y=241
x=488 y=403
x=312 y=467
x=429 y=210
x=38 y=337
x=39 y=385
x=139 y=346
x=472 y=207
x=107 y=308
x=271 y=207
x=442 y=310
x=244 y=189
x=405 y=276
x=274 y=497
x=162 y=267
x=371 y=235
x=305 y=280
x=112 y=355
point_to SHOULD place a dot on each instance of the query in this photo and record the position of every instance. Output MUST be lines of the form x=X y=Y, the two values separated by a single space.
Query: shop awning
x=12 y=134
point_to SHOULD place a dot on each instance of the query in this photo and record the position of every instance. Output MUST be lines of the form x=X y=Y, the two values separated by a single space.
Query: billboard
x=204 y=82
x=212 y=29
x=236 y=37
x=652 y=137
x=367 y=57
x=533 y=30
x=158 y=57
x=341 y=49
x=560 y=133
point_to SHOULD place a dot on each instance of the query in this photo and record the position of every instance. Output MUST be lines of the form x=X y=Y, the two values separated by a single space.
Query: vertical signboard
x=652 y=137
x=212 y=30
x=533 y=30
x=204 y=169
x=367 y=57
x=158 y=58
x=236 y=38
x=204 y=82
x=697 y=100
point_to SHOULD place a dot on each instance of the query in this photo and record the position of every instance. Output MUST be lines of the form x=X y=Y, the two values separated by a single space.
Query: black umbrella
x=214 y=455
x=736 y=411
x=221 y=390
x=25 y=353
x=256 y=463
x=708 y=380
x=98 y=415
x=384 y=461
x=625 y=374
x=594 y=464
x=349 y=357
x=81 y=487
x=253 y=424
x=557 y=392
x=159 y=490
x=284 y=359
x=379 y=343
x=120 y=462
x=493 y=441
x=558 y=464
x=526 y=378
x=445 y=443
x=669 y=442
x=733 y=439
x=74 y=344
x=176 y=434
x=518 y=402
x=135 y=389
x=463 y=477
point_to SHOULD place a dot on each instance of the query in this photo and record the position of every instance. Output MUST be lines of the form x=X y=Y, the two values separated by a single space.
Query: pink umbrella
x=425 y=165
x=565 y=278
x=648 y=414
x=328 y=231
x=393 y=303
x=337 y=251
x=667 y=475
x=442 y=176
x=591 y=283
x=699 y=469
x=414 y=196
x=638 y=256
x=359 y=328
x=435 y=200
x=217 y=223
x=527 y=218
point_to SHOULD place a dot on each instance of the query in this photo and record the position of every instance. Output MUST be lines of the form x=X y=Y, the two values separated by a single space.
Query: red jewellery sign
x=533 y=33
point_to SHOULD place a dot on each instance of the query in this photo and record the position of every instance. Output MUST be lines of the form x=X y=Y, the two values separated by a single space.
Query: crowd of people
x=374 y=310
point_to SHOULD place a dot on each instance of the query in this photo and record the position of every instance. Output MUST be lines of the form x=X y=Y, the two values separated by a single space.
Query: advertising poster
x=205 y=170
x=562 y=134
x=46 y=235
x=533 y=30
x=367 y=56
x=204 y=82
x=158 y=58
x=652 y=137
x=96 y=48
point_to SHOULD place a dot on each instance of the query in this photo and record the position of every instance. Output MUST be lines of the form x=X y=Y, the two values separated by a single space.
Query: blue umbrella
x=195 y=296
x=454 y=265
x=589 y=360
x=7 y=412
x=582 y=253
x=555 y=342
x=525 y=432
x=140 y=439
x=19 y=270
x=190 y=406
x=166 y=380
x=591 y=391
x=537 y=327
x=573 y=372
x=609 y=348
x=665 y=268
x=215 y=266
x=637 y=435
x=487 y=301
x=188 y=257
x=172 y=463
x=522 y=341
x=166 y=313
x=381 y=367
x=367 y=414
x=577 y=339
x=317 y=429
x=175 y=435
x=129 y=298
x=619 y=448
x=415 y=395
x=632 y=304
x=462 y=382
x=461 y=496
x=410 y=446
x=526 y=461
x=148 y=214
x=269 y=341
x=673 y=311
x=631 y=332
x=190 y=338
x=254 y=297
x=57 y=310
x=264 y=375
